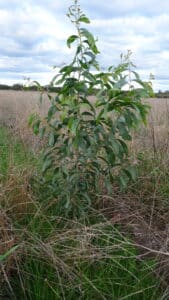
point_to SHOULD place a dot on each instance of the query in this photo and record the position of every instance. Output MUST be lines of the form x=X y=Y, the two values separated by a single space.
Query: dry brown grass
x=19 y=104
x=17 y=196
x=16 y=106
x=155 y=136
x=7 y=241
x=16 y=203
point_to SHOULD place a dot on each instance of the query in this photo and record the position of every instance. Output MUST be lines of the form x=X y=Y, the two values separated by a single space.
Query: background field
x=16 y=106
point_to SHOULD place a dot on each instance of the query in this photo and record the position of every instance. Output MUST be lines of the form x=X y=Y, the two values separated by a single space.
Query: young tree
x=87 y=148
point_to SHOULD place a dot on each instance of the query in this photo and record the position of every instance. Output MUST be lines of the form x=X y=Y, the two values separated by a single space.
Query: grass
x=4 y=151
x=113 y=275
x=13 y=153
x=16 y=106
x=119 y=252
x=60 y=258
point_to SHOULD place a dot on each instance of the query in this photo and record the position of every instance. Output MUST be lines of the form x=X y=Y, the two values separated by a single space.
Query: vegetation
x=71 y=233
x=162 y=94
x=32 y=87
x=49 y=88
x=86 y=149
x=61 y=258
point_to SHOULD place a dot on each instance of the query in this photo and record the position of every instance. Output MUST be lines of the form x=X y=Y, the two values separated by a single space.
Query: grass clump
x=94 y=262
x=61 y=258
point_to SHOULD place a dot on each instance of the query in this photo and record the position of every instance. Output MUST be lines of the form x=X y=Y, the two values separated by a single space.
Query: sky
x=33 y=37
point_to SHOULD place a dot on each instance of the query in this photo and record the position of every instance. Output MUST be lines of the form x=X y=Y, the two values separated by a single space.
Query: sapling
x=89 y=122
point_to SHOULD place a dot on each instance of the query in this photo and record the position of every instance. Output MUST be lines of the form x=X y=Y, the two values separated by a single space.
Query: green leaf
x=89 y=76
x=115 y=147
x=7 y=253
x=42 y=132
x=90 y=39
x=47 y=164
x=124 y=146
x=86 y=101
x=90 y=54
x=123 y=181
x=67 y=204
x=131 y=172
x=31 y=119
x=111 y=158
x=124 y=131
x=84 y=65
x=36 y=127
x=71 y=39
x=87 y=113
x=51 y=139
x=120 y=83
x=39 y=86
x=69 y=69
x=84 y=19
x=73 y=124
x=52 y=110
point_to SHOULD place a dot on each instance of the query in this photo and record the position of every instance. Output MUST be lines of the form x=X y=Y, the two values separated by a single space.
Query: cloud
x=147 y=37
x=33 y=40
x=33 y=35
x=129 y=7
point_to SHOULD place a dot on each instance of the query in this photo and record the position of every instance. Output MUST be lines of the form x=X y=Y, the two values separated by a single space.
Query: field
x=119 y=252
x=16 y=106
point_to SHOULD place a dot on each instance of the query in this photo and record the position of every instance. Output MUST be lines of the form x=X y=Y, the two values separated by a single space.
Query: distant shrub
x=4 y=87
x=17 y=87
x=161 y=94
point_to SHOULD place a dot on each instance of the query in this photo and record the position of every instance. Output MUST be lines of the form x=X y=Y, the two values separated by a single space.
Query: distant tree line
x=21 y=87
x=36 y=87
x=161 y=94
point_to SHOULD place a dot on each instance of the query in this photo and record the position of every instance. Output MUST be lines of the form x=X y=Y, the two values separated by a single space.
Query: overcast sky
x=33 y=35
